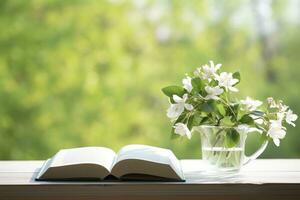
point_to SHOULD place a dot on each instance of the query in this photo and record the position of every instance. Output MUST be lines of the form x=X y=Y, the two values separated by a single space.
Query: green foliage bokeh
x=89 y=72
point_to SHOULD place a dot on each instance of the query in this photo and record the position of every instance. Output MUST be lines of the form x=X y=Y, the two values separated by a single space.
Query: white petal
x=233 y=89
x=175 y=110
x=188 y=106
x=171 y=112
x=179 y=129
x=218 y=90
x=294 y=117
x=187 y=84
x=188 y=134
x=182 y=129
x=276 y=142
x=234 y=81
x=218 y=66
x=280 y=116
x=293 y=124
x=188 y=87
x=208 y=97
x=281 y=134
x=177 y=99
x=184 y=98
x=291 y=117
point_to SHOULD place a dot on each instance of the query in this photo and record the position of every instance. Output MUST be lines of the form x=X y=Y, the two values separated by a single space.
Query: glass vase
x=224 y=152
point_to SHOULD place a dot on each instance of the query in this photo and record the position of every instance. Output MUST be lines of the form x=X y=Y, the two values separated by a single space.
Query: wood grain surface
x=261 y=179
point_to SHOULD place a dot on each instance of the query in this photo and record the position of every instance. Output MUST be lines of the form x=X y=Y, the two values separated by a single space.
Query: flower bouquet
x=205 y=104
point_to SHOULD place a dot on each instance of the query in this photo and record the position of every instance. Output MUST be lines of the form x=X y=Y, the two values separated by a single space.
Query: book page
x=151 y=154
x=85 y=155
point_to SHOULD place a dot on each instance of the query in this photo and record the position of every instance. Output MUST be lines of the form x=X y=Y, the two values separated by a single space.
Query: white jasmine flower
x=282 y=107
x=187 y=83
x=182 y=101
x=272 y=102
x=291 y=117
x=197 y=72
x=176 y=109
x=280 y=116
x=276 y=131
x=183 y=130
x=227 y=81
x=244 y=128
x=210 y=72
x=213 y=92
x=251 y=104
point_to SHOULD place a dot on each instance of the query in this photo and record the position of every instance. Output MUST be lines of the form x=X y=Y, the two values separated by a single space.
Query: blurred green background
x=89 y=72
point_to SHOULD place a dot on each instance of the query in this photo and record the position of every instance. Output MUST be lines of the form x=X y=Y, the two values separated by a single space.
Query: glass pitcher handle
x=257 y=153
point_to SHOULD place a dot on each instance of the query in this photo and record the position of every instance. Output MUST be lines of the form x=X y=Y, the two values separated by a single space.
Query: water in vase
x=224 y=159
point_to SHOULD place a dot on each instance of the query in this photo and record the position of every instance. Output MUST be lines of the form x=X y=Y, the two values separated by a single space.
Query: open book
x=132 y=162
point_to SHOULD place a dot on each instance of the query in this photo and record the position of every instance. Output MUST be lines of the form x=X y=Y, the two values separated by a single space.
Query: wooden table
x=261 y=179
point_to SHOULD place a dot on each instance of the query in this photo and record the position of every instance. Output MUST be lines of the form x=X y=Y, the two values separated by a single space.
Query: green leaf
x=221 y=109
x=237 y=75
x=171 y=100
x=197 y=84
x=190 y=122
x=246 y=119
x=197 y=120
x=235 y=107
x=204 y=119
x=226 y=121
x=232 y=138
x=257 y=113
x=240 y=114
x=208 y=106
x=171 y=90
x=203 y=93
x=232 y=108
